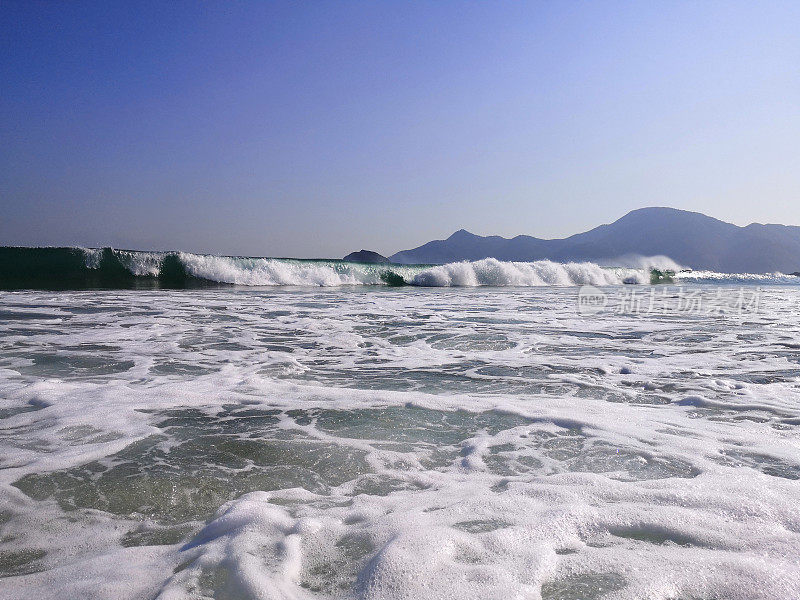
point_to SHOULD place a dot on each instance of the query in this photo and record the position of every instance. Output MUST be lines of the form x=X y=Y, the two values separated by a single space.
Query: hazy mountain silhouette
x=691 y=239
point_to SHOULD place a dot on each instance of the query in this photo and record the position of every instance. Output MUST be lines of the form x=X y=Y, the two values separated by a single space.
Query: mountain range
x=689 y=238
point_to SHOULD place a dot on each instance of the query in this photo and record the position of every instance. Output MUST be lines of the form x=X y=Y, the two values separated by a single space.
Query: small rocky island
x=366 y=256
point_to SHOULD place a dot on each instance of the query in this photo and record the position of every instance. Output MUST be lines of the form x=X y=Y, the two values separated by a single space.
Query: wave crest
x=492 y=272
x=76 y=268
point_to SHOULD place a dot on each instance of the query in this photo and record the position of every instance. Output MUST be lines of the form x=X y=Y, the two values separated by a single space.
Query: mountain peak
x=663 y=211
x=686 y=215
x=658 y=209
x=462 y=234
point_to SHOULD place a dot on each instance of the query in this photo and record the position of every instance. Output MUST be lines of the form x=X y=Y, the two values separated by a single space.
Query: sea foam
x=388 y=445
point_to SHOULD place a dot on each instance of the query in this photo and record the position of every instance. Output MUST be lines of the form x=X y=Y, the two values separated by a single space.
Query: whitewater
x=69 y=268
x=309 y=430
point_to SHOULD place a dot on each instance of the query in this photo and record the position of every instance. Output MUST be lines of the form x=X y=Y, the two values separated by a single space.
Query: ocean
x=185 y=426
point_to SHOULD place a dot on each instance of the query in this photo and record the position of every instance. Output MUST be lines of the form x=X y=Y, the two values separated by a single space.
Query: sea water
x=402 y=443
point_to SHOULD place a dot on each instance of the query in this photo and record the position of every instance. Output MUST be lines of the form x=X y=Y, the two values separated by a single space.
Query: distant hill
x=689 y=238
x=366 y=256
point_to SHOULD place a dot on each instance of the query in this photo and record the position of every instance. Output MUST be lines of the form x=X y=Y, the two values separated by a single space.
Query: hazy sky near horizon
x=315 y=129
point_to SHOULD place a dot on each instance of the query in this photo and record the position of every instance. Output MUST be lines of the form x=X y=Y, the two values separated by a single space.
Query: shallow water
x=397 y=443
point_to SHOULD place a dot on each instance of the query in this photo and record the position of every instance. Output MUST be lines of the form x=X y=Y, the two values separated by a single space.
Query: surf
x=110 y=268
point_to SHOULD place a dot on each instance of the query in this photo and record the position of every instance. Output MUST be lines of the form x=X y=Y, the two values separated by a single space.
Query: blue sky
x=314 y=129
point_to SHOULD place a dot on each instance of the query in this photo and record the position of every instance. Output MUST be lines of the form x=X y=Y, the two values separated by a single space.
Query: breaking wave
x=74 y=268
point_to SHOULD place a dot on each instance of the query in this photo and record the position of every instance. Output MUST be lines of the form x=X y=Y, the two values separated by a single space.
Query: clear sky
x=313 y=129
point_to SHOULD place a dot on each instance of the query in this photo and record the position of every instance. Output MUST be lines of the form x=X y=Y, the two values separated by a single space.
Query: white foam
x=736 y=278
x=510 y=446
x=492 y=272
x=270 y=271
x=637 y=261
x=486 y=272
